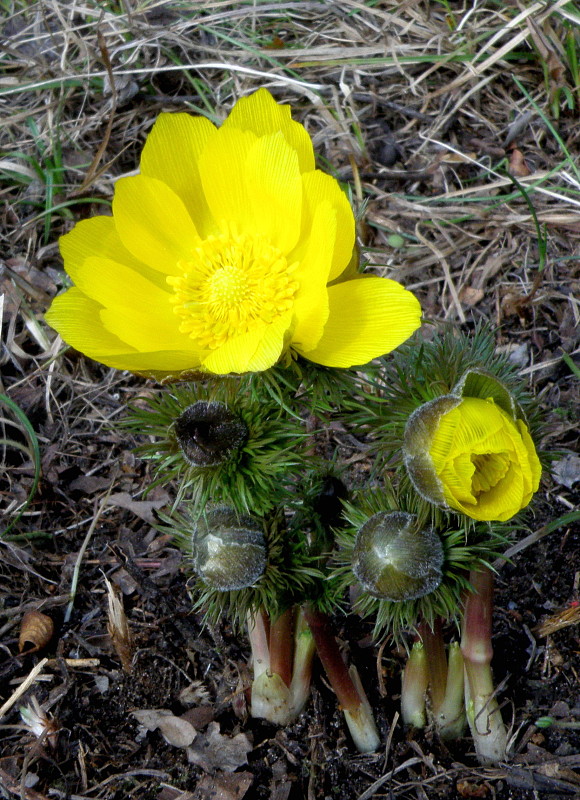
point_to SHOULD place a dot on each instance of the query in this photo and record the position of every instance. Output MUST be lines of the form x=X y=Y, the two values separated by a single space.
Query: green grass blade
x=34 y=452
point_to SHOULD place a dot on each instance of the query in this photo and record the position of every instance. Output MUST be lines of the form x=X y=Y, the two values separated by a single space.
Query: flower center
x=490 y=468
x=230 y=285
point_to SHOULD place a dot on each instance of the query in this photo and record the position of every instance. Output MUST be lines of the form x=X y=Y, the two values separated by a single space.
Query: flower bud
x=208 y=433
x=229 y=551
x=395 y=561
x=473 y=453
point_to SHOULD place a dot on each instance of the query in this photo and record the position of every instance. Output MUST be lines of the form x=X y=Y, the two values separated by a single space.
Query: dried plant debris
x=214 y=751
x=454 y=129
x=36 y=630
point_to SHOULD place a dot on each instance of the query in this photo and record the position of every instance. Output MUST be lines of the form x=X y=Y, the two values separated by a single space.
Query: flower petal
x=129 y=302
x=77 y=319
x=275 y=187
x=261 y=114
x=134 y=326
x=163 y=363
x=254 y=351
x=119 y=286
x=533 y=460
x=253 y=185
x=98 y=237
x=153 y=223
x=318 y=188
x=171 y=153
x=222 y=171
x=368 y=317
x=311 y=303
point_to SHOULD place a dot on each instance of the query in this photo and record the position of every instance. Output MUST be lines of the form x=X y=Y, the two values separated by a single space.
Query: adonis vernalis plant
x=231 y=260
x=227 y=252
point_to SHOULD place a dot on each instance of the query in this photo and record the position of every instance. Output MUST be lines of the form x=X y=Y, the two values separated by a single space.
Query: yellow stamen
x=230 y=284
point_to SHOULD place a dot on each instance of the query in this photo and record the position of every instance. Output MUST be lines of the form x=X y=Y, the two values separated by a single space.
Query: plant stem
x=282 y=645
x=450 y=716
x=483 y=713
x=281 y=680
x=258 y=634
x=345 y=682
x=432 y=639
x=414 y=687
x=304 y=649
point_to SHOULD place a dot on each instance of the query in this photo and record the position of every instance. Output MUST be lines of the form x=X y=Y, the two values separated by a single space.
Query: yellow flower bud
x=470 y=454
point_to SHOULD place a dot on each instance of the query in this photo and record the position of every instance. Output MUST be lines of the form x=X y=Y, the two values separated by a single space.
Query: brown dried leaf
x=141 y=508
x=36 y=629
x=212 y=750
x=549 y=55
x=223 y=787
x=517 y=164
x=467 y=788
x=471 y=296
x=175 y=730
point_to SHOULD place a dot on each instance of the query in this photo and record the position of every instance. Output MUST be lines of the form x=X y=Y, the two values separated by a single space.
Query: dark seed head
x=209 y=433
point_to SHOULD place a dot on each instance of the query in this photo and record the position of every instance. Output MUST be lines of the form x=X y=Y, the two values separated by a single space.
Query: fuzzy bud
x=208 y=433
x=229 y=551
x=395 y=561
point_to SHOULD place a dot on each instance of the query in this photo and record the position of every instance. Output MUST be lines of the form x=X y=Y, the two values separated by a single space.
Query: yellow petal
x=368 y=317
x=319 y=188
x=118 y=286
x=535 y=468
x=148 y=332
x=153 y=223
x=275 y=188
x=76 y=318
x=254 y=351
x=261 y=114
x=163 y=363
x=222 y=168
x=135 y=310
x=171 y=153
x=253 y=186
x=311 y=303
x=98 y=237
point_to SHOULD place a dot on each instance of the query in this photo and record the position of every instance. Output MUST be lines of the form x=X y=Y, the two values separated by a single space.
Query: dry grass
x=455 y=124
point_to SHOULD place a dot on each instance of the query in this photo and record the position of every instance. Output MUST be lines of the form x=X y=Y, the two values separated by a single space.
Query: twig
x=82 y=551
x=24 y=686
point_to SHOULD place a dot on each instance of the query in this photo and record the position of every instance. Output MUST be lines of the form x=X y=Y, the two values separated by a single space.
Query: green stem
x=450 y=716
x=414 y=687
x=258 y=634
x=304 y=649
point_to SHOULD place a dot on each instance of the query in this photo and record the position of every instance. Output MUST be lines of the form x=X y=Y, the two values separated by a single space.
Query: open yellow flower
x=226 y=251
x=468 y=453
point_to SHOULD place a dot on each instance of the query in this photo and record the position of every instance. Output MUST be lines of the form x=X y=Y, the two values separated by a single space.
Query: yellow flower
x=471 y=455
x=226 y=251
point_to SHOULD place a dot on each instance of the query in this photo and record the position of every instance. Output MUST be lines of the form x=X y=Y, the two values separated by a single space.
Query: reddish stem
x=282 y=645
x=477 y=618
x=436 y=660
x=331 y=658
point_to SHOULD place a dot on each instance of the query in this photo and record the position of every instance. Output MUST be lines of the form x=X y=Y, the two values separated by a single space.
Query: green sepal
x=482 y=384
x=418 y=435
